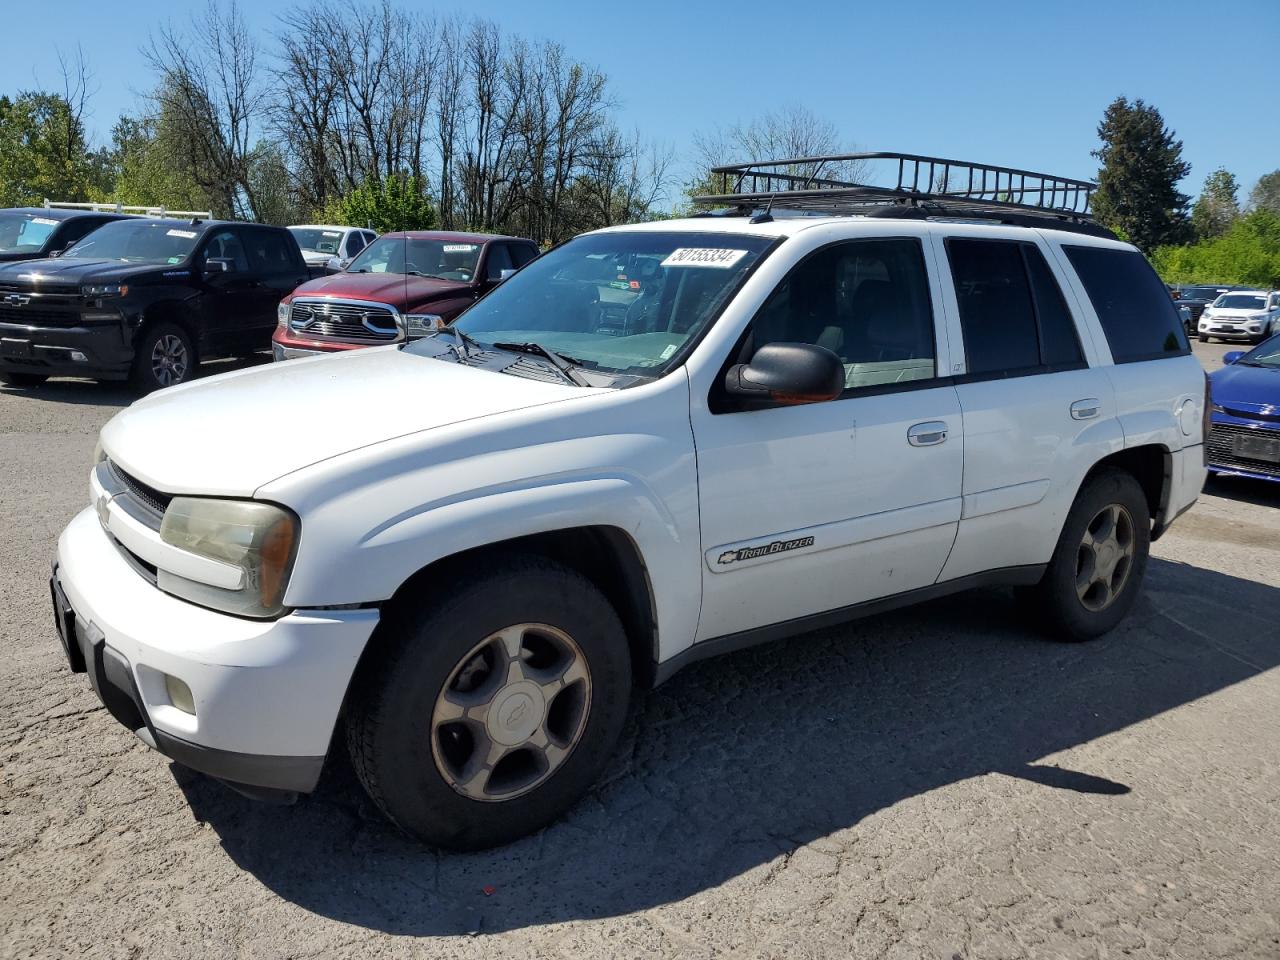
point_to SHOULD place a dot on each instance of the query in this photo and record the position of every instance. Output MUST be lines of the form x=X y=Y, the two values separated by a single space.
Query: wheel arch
x=605 y=555
x=1151 y=464
x=169 y=311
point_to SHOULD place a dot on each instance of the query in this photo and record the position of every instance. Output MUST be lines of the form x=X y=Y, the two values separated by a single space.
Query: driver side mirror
x=787 y=373
x=1231 y=356
x=216 y=265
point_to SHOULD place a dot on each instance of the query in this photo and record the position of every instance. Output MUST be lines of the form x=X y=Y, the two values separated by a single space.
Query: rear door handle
x=1085 y=409
x=927 y=434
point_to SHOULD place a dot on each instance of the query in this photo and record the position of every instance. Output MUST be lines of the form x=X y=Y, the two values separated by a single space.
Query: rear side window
x=270 y=252
x=355 y=243
x=499 y=259
x=1012 y=312
x=1134 y=308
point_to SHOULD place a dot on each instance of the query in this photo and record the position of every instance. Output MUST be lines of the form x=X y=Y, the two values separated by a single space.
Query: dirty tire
x=1055 y=604
x=23 y=379
x=424 y=643
x=1202 y=338
x=157 y=342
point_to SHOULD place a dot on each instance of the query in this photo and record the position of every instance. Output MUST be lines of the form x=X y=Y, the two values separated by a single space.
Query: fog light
x=79 y=357
x=179 y=694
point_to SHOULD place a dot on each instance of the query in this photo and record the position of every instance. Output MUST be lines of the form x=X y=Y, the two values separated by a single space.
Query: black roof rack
x=923 y=187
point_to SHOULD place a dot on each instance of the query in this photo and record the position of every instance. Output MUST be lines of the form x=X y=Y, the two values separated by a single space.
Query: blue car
x=1245 y=439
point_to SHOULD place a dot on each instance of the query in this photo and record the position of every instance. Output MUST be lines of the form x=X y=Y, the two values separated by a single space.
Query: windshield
x=24 y=232
x=137 y=242
x=442 y=259
x=1265 y=354
x=1200 y=293
x=1237 y=301
x=317 y=239
x=622 y=303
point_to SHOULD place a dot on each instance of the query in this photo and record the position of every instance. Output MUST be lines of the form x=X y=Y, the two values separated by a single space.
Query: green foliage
x=1266 y=192
x=1138 y=183
x=396 y=203
x=1248 y=252
x=43 y=154
x=1218 y=205
x=148 y=168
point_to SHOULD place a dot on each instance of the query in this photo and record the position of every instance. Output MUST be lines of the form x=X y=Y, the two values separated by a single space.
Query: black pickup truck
x=145 y=300
x=34 y=233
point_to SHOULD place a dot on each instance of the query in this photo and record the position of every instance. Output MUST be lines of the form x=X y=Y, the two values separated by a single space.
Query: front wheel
x=1097 y=567
x=164 y=357
x=492 y=706
x=1203 y=338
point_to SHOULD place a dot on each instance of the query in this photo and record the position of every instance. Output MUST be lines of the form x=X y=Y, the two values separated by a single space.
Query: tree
x=1218 y=205
x=1138 y=183
x=395 y=203
x=1248 y=252
x=1265 y=194
x=43 y=153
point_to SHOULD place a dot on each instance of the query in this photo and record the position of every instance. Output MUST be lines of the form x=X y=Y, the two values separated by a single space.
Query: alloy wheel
x=169 y=360
x=1105 y=557
x=511 y=712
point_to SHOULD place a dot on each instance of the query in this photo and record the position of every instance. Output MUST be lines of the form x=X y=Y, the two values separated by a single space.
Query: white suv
x=655 y=444
x=1251 y=315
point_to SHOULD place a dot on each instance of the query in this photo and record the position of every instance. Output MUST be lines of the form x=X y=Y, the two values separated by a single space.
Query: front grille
x=364 y=322
x=33 y=316
x=1222 y=455
x=149 y=496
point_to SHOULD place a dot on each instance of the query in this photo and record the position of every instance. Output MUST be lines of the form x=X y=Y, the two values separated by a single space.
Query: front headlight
x=282 y=314
x=260 y=539
x=98 y=453
x=421 y=324
x=105 y=290
x=1217 y=408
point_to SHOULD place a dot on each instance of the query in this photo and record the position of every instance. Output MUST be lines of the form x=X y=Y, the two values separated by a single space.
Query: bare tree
x=211 y=92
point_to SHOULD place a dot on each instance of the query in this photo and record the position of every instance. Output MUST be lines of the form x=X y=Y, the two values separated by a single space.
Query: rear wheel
x=23 y=379
x=1097 y=567
x=493 y=705
x=1203 y=338
x=164 y=357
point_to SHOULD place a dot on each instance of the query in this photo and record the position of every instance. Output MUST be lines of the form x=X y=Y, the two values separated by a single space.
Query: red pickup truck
x=401 y=286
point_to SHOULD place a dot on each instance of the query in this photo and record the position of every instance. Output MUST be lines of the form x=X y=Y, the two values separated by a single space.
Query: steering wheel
x=411 y=267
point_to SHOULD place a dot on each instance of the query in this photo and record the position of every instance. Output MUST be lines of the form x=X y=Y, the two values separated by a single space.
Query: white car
x=327 y=247
x=1241 y=315
x=654 y=444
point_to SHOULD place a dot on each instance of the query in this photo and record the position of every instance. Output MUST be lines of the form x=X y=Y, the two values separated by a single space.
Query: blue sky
x=1015 y=83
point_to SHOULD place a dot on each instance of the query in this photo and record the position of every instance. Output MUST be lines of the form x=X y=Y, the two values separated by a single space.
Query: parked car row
x=1252 y=315
x=112 y=296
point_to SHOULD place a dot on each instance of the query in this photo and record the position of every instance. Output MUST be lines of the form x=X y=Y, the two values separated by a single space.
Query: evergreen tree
x=1266 y=192
x=1138 y=183
x=1218 y=206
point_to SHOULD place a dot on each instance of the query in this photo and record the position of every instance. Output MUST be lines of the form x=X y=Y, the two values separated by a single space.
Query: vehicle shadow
x=117 y=393
x=1263 y=493
x=745 y=758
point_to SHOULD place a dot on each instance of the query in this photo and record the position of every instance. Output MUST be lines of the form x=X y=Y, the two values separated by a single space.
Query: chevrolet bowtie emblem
x=17 y=300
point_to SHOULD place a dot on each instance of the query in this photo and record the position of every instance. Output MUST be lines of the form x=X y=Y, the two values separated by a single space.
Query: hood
x=314 y=258
x=69 y=272
x=230 y=434
x=394 y=288
x=1253 y=390
x=1238 y=313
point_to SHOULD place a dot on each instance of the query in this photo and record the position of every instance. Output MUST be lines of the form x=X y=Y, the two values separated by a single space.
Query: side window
x=225 y=245
x=355 y=242
x=522 y=253
x=498 y=259
x=867 y=301
x=1059 y=342
x=73 y=230
x=1136 y=314
x=997 y=314
x=269 y=252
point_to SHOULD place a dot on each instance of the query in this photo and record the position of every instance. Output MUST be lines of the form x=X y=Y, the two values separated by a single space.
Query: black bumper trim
x=244 y=771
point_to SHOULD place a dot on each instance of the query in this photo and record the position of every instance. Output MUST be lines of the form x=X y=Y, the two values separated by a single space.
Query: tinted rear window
x=1139 y=319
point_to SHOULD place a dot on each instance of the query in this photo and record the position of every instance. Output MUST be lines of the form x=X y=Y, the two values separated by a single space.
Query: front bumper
x=267 y=693
x=1226 y=460
x=98 y=350
x=1232 y=329
x=286 y=345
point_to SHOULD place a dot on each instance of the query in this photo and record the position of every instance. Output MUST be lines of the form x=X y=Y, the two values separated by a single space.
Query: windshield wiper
x=562 y=362
x=462 y=342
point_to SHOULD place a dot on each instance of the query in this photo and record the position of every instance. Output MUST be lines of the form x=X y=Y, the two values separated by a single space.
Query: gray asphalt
x=937 y=782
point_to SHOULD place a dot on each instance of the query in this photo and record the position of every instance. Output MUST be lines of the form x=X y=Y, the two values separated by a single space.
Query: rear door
x=277 y=269
x=1036 y=414
x=820 y=506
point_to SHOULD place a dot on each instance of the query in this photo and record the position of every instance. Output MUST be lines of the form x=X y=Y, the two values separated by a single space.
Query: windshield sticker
x=703 y=257
x=459 y=247
x=330 y=233
x=45 y=221
x=175 y=259
x=185 y=234
x=666 y=354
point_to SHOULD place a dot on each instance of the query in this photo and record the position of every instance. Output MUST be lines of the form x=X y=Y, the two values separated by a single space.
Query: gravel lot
x=937 y=782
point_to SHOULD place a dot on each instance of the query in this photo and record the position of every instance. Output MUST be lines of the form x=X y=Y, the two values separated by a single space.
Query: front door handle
x=1085 y=409
x=927 y=434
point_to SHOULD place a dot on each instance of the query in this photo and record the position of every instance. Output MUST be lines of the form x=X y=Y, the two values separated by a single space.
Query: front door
x=230 y=294
x=811 y=508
